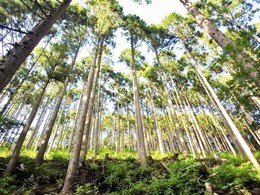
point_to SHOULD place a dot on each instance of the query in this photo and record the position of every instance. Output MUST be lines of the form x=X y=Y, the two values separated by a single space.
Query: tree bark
x=45 y=140
x=142 y=155
x=182 y=143
x=14 y=157
x=38 y=124
x=158 y=129
x=79 y=128
x=86 y=133
x=16 y=56
x=234 y=131
x=222 y=40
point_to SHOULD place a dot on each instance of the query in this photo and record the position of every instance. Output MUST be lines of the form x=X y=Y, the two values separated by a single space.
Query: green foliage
x=5 y=151
x=8 y=123
x=234 y=160
x=28 y=153
x=59 y=154
x=52 y=169
x=231 y=178
x=7 y=185
x=187 y=176
x=85 y=189
x=127 y=176
x=157 y=155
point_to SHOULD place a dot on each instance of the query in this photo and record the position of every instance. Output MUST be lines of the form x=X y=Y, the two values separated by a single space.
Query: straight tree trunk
x=158 y=129
x=141 y=148
x=44 y=143
x=14 y=157
x=234 y=131
x=16 y=56
x=86 y=133
x=182 y=144
x=38 y=124
x=169 y=132
x=79 y=128
x=97 y=131
x=222 y=40
x=56 y=131
x=40 y=137
x=178 y=101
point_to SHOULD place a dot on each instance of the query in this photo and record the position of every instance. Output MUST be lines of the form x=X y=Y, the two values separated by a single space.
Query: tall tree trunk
x=14 y=157
x=179 y=102
x=45 y=140
x=38 y=124
x=40 y=137
x=96 y=132
x=234 y=131
x=142 y=155
x=179 y=133
x=56 y=131
x=158 y=129
x=169 y=132
x=205 y=145
x=44 y=143
x=79 y=128
x=16 y=56
x=222 y=40
x=86 y=133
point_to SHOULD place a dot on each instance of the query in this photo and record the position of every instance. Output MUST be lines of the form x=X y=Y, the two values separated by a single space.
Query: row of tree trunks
x=79 y=129
x=14 y=157
x=236 y=135
x=86 y=133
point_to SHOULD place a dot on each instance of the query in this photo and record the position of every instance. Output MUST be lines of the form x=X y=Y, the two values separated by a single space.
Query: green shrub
x=86 y=189
x=230 y=178
x=187 y=177
x=28 y=153
x=7 y=185
x=136 y=188
x=59 y=155
x=235 y=160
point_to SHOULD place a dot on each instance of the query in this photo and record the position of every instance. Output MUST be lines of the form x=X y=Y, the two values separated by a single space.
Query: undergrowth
x=122 y=174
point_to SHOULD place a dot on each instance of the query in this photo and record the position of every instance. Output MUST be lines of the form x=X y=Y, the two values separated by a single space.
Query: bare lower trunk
x=79 y=128
x=39 y=122
x=158 y=129
x=234 y=131
x=45 y=141
x=142 y=155
x=91 y=101
x=182 y=143
x=14 y=157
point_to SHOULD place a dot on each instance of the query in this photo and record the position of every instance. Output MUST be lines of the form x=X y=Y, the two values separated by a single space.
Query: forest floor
x=122 y=174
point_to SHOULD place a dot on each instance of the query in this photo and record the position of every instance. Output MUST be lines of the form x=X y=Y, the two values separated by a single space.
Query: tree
x=133 y=60
x=14 y=157
x=12 y=61
x=223 y=41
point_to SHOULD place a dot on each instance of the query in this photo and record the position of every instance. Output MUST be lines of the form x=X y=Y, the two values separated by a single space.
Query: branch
x=31 y=10
x=16 y=30
x=49 y=5
x=37 y=3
